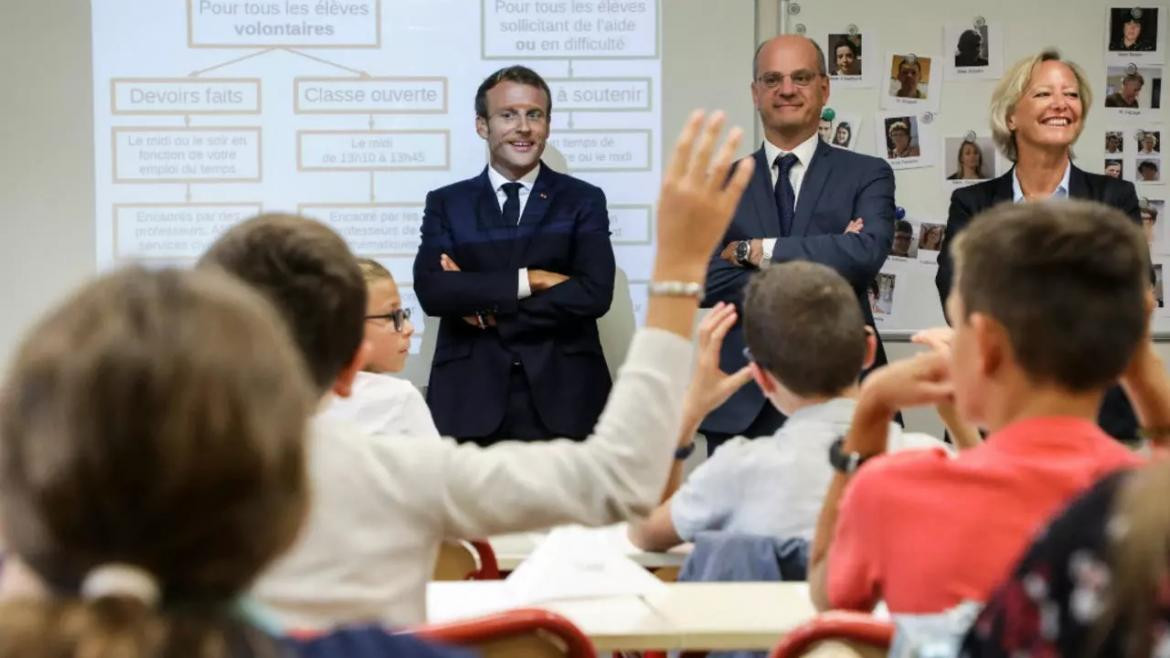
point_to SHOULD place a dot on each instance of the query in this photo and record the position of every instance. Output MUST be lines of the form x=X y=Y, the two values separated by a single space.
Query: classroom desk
x=512 y=549
x=685 y=616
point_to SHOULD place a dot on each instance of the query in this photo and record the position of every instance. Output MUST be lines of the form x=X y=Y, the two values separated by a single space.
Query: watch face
x=743 y=250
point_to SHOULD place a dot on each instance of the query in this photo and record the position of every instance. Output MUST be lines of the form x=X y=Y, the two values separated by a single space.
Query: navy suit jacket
x=838 y=187
x=564 y=229
x=1117 y=416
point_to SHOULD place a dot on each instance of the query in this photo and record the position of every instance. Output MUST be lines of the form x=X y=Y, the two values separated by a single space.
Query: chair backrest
x=520 y=633
x=859 y=633
x=722 y=556
x=466 y=560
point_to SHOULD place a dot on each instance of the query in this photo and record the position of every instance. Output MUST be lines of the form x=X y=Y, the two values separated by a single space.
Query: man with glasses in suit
x=790 y=212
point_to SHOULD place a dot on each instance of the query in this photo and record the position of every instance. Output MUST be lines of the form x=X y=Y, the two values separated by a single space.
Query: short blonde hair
x=1012 y=87
x=373 y=271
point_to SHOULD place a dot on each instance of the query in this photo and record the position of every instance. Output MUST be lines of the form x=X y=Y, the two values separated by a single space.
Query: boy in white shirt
x=381 y=506
x=380 y=403
x=808 y=343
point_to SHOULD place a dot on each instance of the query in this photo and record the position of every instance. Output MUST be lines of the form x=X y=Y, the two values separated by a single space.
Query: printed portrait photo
x=969 y=159
x=910 y=77
x=971 y=49
x=1148 y=142
x=1114 y=142
x=1133 y=29
x=931 y=237
x=881 y=294
x=902 y=137
x=845 y=54
x=1132 y=87
x=1149 y=170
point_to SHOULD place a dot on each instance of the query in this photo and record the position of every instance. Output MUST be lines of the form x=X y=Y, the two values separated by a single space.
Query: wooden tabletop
x=697 y=616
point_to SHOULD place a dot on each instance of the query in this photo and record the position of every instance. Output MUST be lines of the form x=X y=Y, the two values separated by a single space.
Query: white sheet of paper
x=575 y=562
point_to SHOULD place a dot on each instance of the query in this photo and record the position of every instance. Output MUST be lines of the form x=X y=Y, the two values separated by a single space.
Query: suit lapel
x=539 y=197
x=1078 y=184
x=487 y=210
x=1003 y=190
x=811 y=186
x=762 y=198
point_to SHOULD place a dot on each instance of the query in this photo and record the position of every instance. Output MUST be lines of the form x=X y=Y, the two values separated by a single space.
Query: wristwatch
x=684 y=451
x=845 y=462
x=743 y=253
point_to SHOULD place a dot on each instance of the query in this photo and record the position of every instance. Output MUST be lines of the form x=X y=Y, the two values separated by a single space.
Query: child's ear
x=992 y=342
x=343 y=385
x=763 y=378
x=870 y=348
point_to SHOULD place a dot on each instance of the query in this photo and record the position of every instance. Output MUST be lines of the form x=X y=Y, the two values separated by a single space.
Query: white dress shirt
x=804 y=154
x=381 y=505
x=774 y=485
x=382 y=404
x=526 y=182
x=1061 y=191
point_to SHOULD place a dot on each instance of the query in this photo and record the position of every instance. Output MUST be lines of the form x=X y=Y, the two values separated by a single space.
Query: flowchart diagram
x=207 y=112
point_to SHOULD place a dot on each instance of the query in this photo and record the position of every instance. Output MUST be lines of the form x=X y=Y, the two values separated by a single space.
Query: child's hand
x=922 y=379
x=710 y=386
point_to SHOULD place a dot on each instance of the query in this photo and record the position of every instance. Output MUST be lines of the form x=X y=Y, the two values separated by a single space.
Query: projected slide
x=209 y=111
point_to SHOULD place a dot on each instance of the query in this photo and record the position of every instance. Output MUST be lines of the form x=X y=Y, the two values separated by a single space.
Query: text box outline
x=376 y=204
x=156 y=181
x=297 y=95
x=177 y=204
x=649 y=222
x=657 y=21
x=187 y=80
x=446 y=151
x=377 y=36
x=649 y=93
x=610 y=131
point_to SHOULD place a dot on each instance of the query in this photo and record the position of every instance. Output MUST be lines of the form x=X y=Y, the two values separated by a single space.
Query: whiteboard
x=206 y=112
x=957 y=101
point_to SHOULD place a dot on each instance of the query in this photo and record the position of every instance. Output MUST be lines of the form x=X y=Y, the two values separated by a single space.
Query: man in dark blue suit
x=806 y=201
x=518 y=265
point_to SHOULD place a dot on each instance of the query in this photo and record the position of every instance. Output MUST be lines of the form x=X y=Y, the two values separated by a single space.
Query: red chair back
x=466 y=560
x=520 y=633
x=852 y=628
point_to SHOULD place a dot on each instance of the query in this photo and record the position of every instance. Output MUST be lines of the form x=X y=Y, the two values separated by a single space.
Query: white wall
x=46 y=170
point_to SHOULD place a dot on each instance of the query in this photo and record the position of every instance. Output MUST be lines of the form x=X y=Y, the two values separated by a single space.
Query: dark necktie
x=785 y=195
x=512 y=204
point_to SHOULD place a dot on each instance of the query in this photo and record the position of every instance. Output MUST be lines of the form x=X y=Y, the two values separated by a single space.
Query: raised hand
x=698 y=198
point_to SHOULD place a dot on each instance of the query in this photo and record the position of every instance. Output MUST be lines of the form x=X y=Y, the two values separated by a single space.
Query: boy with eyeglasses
x=380 y=403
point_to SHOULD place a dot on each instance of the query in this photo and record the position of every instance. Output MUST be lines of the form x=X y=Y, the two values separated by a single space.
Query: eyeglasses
x=801 y=78
x=398 y=317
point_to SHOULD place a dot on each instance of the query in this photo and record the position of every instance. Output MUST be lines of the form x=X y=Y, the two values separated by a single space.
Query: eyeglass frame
x=398 y=317
x=779 y=78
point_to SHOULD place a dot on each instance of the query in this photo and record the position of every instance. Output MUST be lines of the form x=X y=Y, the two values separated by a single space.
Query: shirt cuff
x=767 y=246
x=523 y=290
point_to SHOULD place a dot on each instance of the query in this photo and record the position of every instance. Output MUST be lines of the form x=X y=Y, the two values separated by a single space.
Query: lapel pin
x=543 y=195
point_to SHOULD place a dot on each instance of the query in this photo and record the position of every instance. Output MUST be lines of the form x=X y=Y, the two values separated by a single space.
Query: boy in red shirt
x=1050 y=306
